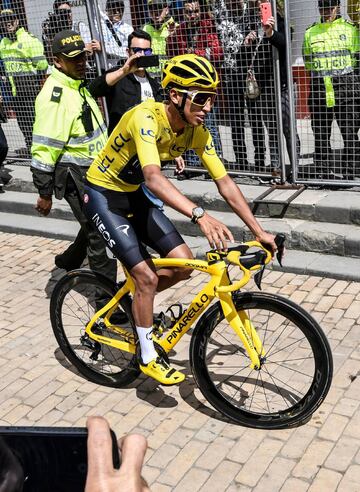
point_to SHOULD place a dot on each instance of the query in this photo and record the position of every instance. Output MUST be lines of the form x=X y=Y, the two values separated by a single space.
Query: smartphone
x=266 y=12
x=53 y=458
x=148 y=61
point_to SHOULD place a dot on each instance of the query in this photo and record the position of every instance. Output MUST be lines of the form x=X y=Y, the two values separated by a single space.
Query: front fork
x=244 y=328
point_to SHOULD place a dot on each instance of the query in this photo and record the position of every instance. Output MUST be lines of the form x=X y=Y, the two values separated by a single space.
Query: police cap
x=68 y=43
x=328 y=4
x=7 y=15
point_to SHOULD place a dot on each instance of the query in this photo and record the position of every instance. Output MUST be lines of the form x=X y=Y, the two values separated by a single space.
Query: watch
x=196 y=214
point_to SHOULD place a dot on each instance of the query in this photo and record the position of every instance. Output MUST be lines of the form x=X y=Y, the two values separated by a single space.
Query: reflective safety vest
x=59 y=135
x=158 y=43
x=22 y=56
x=329 y=50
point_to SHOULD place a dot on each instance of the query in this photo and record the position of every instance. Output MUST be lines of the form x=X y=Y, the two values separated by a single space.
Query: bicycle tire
x=241 y=395
x=74 y=301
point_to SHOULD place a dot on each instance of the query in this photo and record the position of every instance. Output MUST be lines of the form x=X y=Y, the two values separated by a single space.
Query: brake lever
x=258 y=277
x=280 y=243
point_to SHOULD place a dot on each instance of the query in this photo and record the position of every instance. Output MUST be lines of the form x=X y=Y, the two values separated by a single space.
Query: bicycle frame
x=219 y=286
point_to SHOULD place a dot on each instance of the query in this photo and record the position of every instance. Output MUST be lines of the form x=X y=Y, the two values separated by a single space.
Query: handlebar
x=252 y=261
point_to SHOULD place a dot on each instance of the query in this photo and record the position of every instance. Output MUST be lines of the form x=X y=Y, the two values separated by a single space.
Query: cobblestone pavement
x=191 y=447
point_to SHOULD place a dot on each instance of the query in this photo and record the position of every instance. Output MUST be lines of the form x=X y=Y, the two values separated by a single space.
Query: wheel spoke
x=77 y=302
x=294 y=353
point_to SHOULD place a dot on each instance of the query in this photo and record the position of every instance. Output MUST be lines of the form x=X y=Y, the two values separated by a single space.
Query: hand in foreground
x=101 y=475
x=43 y=205
x=216 y=232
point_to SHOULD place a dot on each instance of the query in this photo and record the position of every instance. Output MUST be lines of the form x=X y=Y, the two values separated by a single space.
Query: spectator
x=353 y=10
x=277 y=38
x=159 y=28
x=197 y=34
x=68 y=133
x=128 y=85
x=262 y=110
x=60 y=19
x=331 y=55
x=24 y=64
x=231 y=26
x=115 y=31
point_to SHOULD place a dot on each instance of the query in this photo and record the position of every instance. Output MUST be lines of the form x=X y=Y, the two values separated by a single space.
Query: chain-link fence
x=288 y=103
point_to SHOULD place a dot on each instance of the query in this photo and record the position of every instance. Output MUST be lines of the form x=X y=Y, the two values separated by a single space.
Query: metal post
x=92 y=12
x=290 y=83
x=276 y=68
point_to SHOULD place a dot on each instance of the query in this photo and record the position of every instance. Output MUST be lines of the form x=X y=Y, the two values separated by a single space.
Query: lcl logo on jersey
x=210 y=148
x=176 y=150
x=147 y=135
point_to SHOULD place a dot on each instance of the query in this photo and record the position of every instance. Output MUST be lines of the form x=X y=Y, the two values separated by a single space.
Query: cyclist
x=147 y=135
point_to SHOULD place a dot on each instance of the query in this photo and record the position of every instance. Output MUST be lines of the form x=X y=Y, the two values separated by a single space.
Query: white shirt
x=122 y=30
x=146 y=90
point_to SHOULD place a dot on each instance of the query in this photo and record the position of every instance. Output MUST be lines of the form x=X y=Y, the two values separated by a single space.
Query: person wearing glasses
x=148 y=135
x=127 y=85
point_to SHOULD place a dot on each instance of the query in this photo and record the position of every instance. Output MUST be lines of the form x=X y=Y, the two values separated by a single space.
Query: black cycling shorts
x=126 y=220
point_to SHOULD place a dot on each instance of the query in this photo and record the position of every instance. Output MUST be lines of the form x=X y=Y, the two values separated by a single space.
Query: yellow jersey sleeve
x=144 y=130
x=204 y=147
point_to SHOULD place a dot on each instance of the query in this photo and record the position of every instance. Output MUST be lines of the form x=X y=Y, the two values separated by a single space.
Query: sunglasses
x=200 y=98
x=136 y=49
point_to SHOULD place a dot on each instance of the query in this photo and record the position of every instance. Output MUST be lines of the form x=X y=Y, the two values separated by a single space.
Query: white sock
x=148 y=351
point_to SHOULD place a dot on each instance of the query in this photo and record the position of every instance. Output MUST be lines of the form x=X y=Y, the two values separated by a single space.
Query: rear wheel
x=74 y=301
x=296 y=371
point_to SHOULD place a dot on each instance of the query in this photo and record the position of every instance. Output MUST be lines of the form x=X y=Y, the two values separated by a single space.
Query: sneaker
x=161 y=371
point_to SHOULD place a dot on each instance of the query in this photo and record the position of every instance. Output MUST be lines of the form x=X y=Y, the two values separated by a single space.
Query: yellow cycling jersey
x=142 y=137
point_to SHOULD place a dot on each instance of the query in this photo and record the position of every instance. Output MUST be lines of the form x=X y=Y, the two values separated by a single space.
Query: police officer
x=68 y=133
x=331 y=52
x=25 y=64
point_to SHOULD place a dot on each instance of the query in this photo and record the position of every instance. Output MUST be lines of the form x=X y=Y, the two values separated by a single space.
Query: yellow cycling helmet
x=189 y=71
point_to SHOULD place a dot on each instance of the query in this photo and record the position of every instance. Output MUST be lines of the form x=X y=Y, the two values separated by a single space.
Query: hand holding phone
x=53 y=458
x=147 y=61
x=265 y=12
x=101 y=474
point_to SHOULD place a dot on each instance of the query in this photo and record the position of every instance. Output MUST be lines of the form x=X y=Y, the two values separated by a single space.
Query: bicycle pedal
x=162 y=352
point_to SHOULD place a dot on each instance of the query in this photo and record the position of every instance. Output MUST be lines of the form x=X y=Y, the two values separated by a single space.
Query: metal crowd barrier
x=255 y=136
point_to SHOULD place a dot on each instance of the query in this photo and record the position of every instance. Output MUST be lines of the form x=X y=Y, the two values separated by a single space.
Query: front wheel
x=296 y=371
x=74 y=301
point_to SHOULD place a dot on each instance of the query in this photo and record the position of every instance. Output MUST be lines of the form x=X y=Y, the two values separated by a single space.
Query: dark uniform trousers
x=27 y=88
x=347 y=114
x=88 y=239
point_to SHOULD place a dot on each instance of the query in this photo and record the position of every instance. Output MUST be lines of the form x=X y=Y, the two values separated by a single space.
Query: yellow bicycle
x=258 y=358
